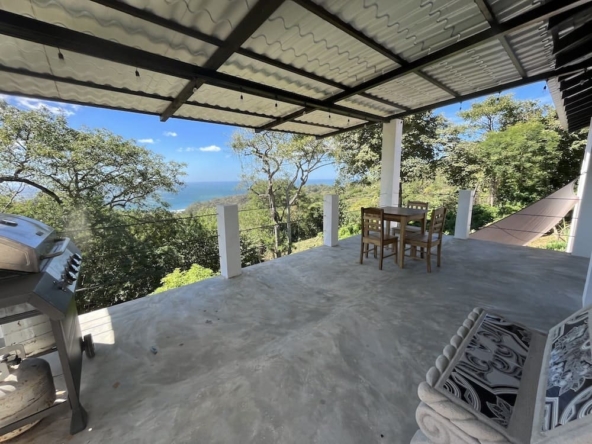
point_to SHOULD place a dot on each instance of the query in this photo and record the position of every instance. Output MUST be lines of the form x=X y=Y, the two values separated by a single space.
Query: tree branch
x=33 y=184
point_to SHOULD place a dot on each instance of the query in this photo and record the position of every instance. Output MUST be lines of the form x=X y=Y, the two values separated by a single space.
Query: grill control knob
x=73 y=268
x=70 y=277
x=77 y=257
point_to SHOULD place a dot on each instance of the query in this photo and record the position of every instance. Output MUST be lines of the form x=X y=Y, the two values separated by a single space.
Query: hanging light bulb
x=60 y=55
x=137 y=73
x=241 y=97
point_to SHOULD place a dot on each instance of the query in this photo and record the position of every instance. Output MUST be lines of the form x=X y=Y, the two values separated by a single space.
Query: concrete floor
x=311 y=348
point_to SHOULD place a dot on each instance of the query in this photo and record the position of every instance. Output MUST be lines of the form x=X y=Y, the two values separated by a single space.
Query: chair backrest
x=418 y=205
x=437 y=222
x=372 y=220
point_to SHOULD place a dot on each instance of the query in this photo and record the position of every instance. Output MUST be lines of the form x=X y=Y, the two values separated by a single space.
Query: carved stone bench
x=500 y=382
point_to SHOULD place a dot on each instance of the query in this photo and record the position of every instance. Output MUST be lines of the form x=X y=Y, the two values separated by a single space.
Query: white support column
x=575 y=220
x=390 y=165
x=229 y=240
x=462 y=228
x=331 y=220
x=587 y=297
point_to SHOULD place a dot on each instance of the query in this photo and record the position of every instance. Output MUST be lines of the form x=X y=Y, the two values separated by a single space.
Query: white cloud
x=170 y=134
x=146 y=141
x=53 y=107
x=211 y=149
x=206 y=149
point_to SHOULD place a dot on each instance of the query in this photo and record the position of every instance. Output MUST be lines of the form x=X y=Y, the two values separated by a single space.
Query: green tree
x=80 y=168
x=358 y=153
x=180 y=278
x=276 y=167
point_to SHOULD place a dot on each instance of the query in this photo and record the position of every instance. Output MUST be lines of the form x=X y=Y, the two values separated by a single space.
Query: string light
x=241 y=97
x=60 y=55
x=460 y=109
x=137 y=73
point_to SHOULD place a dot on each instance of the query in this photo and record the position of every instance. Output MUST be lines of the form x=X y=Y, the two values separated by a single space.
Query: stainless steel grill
x=38 y=275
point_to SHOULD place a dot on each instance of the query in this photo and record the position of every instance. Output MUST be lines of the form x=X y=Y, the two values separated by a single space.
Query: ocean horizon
x=203 y=191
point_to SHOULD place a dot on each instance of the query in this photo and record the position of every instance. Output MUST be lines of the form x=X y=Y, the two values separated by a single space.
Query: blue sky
x=204 y=147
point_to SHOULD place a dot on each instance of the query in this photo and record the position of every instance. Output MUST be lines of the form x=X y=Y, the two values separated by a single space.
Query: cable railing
x=128 y=256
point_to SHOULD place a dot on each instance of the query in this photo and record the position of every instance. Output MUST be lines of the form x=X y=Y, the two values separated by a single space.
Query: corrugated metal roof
x=297 y=37
x=533 y=48
x=246 y=68
x=332 y=120
x=32 y=87
x=370 y=106
x=478 y=68
x=304 y=69
x=507 y=9
x=411 y=28
x=411 y=91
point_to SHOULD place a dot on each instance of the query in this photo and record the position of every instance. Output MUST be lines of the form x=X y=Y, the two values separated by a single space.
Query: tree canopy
x=80 y=167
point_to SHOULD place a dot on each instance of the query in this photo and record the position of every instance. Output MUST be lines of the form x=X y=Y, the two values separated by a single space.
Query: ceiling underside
x=317 y=67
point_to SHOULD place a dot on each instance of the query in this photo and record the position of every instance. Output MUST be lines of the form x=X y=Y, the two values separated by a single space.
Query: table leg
x=401 y=258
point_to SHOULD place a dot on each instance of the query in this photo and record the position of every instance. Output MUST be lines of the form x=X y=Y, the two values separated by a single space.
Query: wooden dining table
x=404 y=216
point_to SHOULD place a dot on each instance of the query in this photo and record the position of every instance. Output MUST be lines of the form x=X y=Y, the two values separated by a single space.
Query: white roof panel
x=296 y=37
x=44 y=59
x=294 y=127
x=250 y=69
x=332 y=120
x=370 y=106
x=226 y=117
x=31 y=87
x=485 y=66
x=533 y=48
x=410 y=28
x=411 y=91
x=232 y=99
x=97 y=20
x=212 y=17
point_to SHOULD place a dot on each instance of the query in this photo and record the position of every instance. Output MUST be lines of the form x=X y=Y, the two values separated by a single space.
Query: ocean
x=204 y=191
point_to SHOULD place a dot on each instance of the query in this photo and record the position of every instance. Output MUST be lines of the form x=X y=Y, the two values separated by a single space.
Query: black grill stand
x=54 y=298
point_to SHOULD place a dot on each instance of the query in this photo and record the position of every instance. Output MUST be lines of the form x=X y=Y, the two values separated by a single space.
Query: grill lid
x=24 y=242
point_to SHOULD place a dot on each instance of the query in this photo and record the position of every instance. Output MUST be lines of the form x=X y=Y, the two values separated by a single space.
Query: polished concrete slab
x=310 y=348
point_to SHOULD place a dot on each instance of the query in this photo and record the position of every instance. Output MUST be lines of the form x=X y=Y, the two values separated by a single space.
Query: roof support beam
x=533 y=79
x=532 y=16
x=256 y=16
x=25 y=28
x=109 y=88
x=150 y=17
x=487 y=12
x=577 y=37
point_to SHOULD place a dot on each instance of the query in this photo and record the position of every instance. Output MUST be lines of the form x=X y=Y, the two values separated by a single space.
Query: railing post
x=462 y=228
x=331 y=220
x=229 y=240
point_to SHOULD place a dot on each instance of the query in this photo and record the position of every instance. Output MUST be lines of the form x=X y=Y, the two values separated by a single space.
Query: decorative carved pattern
x=488 y=375
x=569 y=383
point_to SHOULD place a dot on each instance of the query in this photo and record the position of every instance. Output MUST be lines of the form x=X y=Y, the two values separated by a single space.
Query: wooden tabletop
x=402 y=211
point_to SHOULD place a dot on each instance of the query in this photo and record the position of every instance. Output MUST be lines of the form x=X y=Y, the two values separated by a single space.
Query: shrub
x=180 y=278
x=557 y=245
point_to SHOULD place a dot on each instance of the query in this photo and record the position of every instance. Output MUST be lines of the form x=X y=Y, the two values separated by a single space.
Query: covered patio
x=309 y=348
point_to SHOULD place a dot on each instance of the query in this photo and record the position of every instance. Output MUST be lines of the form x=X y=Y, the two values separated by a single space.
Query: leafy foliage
x=180 y=278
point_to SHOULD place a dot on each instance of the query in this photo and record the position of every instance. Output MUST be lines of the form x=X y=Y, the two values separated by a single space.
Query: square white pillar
x=330 y=220
x=574 y=236
x=462 y=228
x=390 y=164
x=229 y=240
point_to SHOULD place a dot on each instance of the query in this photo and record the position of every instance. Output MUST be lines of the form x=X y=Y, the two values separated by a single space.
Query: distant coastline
x=194 y=192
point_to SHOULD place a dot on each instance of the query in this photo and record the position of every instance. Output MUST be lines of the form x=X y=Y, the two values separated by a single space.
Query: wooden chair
x=431 y=239
x=415 y=228
x=374 y=233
